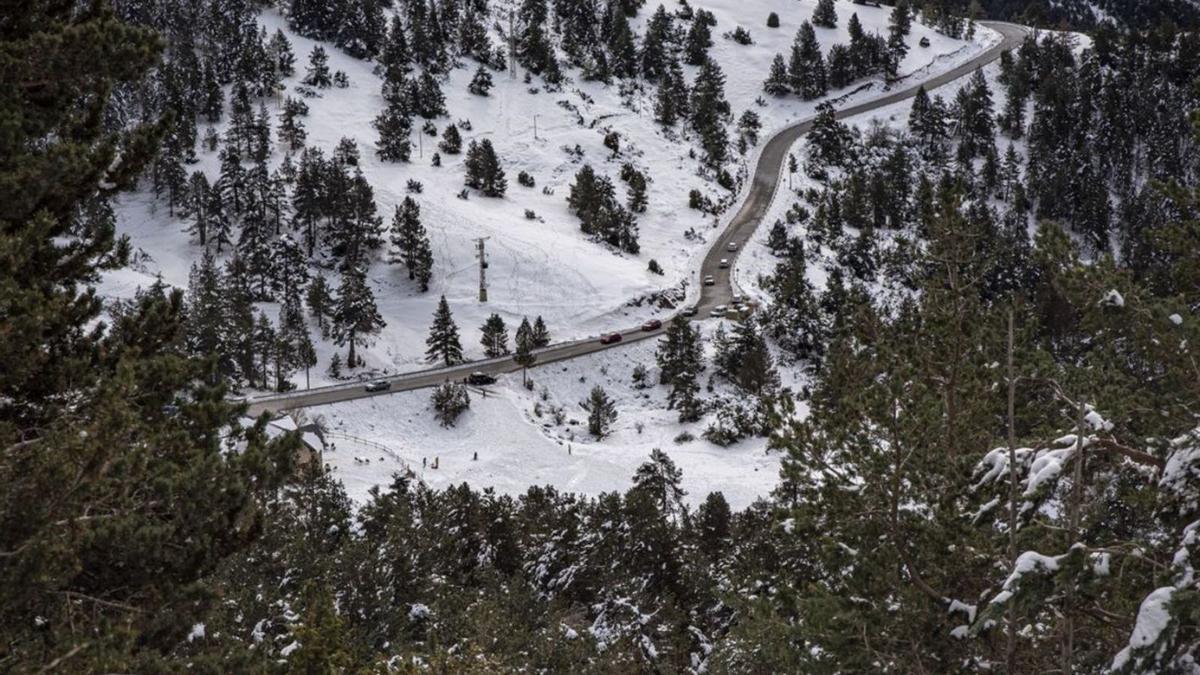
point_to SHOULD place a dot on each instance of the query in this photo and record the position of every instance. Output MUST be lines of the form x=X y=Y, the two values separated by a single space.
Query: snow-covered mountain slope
x=520 y=443
x=543 y=266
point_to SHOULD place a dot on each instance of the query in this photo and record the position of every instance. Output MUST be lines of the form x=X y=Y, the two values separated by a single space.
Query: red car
x=610 y=338
x=652 y=324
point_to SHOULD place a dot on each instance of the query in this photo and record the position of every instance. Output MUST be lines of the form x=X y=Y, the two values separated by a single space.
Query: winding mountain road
x=767 y=174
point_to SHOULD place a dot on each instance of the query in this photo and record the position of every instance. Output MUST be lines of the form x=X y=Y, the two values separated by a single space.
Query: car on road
x=479 y=379
x=724 y=264
x=652 y=324
x=378 y=385
x=709 y=280
x=731 y=247
x=609 y=339
x=689 y=311
x=719 y=310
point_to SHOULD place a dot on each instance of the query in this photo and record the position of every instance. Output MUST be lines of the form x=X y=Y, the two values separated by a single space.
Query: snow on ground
x=518 y=448
x=543 y=266
x=756 y=258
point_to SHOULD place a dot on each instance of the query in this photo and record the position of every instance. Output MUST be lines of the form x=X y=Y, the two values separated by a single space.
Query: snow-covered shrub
x=449 y=401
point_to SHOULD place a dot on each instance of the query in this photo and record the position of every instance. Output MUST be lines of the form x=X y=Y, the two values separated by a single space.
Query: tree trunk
x=1010 y=637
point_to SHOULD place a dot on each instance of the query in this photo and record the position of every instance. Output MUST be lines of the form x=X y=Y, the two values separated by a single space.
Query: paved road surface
x=767 y=174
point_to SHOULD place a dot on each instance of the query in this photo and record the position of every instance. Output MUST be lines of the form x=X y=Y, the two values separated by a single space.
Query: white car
x=719 y=310
x=732 y=246
x=724 y=264
x=709 y=280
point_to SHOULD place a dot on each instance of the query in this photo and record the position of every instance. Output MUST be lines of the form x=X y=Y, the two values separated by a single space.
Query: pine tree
x=290 y=267
x=899 y=25
x=654 y=56
x=363 y=29
x=637 y=192
x=680 y=361
x=395 y=60
x=326 y=638
x=661 y=480
x=679 y=350
x=320 y=303
x=669 y=104
x=255 y=247
x=534 y=50
x=745 y=359
x=310 y=198
x=174 y=181
x=296 y=342
x=621 y=46
x=495 y=337
x=867 y=53
x=483 y=169
x=283 y=58
x=450 y=400
x=410 y=243
x=714 y=525
x=602 y=412
x=840 y=66
x=317 y=74
x=825 y=15
x=973 y=108
x=926 y=122
x=213 y=98
x=394 y=125
x=425 y=96
x=239 y=319
x=220 y=225
x=205 y=320
x=356 y=317
x=778 y=81
x=232 y=184
x=593 y=200
x=422 y=264
x=525 y=344
x=451 y=142
x=199 y=198
x=443 y=340
x=541 y=335
x=806 y=69
x=699 y=39
x=481 y=83
x=830 y=141
x=291 y=128
x=709 y=112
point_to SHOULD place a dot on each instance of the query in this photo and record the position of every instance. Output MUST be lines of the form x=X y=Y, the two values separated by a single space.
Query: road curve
x=767 y=173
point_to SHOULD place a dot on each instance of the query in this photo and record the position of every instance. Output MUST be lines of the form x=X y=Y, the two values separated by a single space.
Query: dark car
x=689 y=311
x=652 y=324
x=378 y=385
x=479 y=379
x=610 y=338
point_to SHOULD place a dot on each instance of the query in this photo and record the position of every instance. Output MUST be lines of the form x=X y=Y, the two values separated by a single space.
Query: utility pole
x=512 y=47
x=479 y=252
x=535 y=127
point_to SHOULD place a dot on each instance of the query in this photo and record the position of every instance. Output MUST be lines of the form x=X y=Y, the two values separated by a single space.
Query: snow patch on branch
x=1153 y=618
